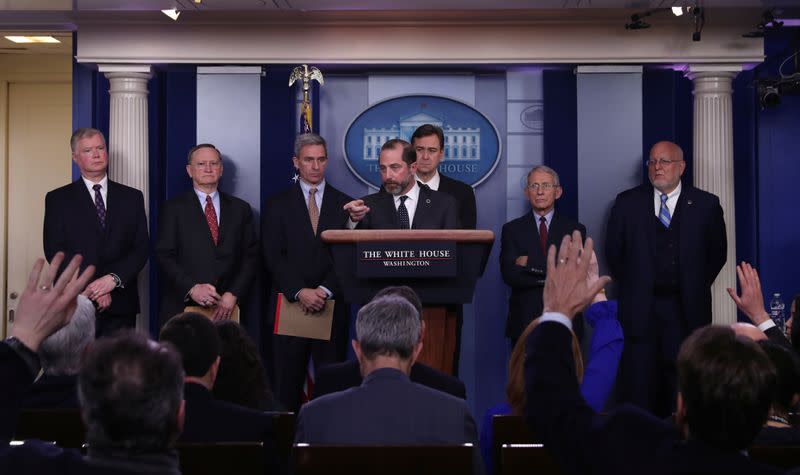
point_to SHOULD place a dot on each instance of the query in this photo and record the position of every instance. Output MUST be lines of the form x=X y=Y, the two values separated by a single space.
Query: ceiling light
x=172 y=13
x=677 y=11
x=32 y=39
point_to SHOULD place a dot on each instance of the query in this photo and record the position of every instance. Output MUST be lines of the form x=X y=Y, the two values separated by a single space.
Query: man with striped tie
x=665 y=245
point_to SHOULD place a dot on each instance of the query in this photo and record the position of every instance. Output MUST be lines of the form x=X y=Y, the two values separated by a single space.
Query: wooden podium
x=440 y=285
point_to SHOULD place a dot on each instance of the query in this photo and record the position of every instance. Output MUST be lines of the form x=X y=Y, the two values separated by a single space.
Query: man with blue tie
x=665 y=245
x=524 y=243
x=105 y=222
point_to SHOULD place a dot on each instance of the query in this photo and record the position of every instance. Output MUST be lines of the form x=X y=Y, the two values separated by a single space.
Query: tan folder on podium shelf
x=209 y=311
x=292 y=320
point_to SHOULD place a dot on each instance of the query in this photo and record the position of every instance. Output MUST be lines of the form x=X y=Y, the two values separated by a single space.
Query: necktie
x=98 y=203
x=313 y=211
x=543 y=234
x=663 y=213
x=402 y=213
x=211 y=219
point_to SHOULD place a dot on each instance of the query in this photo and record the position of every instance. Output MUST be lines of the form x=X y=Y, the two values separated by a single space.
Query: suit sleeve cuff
x=351 y=224
x=766 y=325
x=556 y=317
x=327 y=292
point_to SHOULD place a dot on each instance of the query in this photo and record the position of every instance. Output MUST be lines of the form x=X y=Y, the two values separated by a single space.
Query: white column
x=128 y=145
x=713 y=165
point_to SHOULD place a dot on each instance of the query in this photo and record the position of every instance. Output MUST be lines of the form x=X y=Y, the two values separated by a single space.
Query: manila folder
x=292 y=320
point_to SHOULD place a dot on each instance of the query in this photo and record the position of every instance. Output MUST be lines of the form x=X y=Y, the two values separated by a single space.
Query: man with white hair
x=60 y=355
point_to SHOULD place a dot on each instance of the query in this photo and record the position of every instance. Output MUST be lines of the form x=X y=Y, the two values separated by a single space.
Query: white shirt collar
x=548 y=218
x=89 y=183
x=433 y=183
x=413 y=195
x=307 y=186
x=672 y=200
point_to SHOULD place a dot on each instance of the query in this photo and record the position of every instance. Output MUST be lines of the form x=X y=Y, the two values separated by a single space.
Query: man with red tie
x=207 y=248
x=524 y=243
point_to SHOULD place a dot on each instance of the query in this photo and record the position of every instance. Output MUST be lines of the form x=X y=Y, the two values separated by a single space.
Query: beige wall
x=23 y=74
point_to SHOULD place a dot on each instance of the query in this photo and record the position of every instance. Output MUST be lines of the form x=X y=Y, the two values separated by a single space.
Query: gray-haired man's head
x=61 y=352
x=388 y=326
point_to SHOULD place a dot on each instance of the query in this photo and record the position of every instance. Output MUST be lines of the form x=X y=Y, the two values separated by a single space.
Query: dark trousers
x=648 y=376
x=290 y=359
x=107 y=324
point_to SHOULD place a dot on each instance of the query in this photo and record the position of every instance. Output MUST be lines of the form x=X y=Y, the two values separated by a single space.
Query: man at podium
x=405 y=204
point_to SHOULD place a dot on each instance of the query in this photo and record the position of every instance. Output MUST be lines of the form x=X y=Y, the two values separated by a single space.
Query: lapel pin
x=689 y=202
x=428 y=201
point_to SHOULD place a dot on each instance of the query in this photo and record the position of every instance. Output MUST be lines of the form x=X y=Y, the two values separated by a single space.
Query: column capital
x=138 y=71
x=723 y=70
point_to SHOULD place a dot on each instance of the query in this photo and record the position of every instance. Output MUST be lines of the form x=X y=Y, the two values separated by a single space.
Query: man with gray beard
x=405 y=204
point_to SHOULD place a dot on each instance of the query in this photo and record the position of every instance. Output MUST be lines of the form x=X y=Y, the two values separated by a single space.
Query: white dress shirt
x=103 y=188
x=548 y=218
x=201 y=195
x=411 y=202
x=306 y=187
x=433 y=183
x=672 y=200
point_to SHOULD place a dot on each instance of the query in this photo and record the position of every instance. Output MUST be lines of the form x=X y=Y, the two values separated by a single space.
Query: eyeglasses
x=201 y=165
x=543 y=186
x=661 y=161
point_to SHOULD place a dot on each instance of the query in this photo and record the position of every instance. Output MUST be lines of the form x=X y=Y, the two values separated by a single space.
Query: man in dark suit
x=207 y=247
x=726 y=387
x=404 y=204
x=523 y=249
x=300 y=265
x=105 y=222
x=341 y=376
x=665 y=245
x=207 y=419
x=132 y=417
x=387 y=408
x=428 y=142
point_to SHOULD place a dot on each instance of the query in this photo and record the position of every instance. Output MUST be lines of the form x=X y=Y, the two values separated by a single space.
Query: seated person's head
x=725 y=387
x=241 y=378
x=61 y=353
x=749 y=330
x=388 y=330
x=131 y=394
x=402 y=291
x=197 y=341
x=515 y=389
x=787 y=368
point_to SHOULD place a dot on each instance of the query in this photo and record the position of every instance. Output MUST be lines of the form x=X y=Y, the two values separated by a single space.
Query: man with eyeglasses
x=207 y=247
x=665 y=245
x=524 y=244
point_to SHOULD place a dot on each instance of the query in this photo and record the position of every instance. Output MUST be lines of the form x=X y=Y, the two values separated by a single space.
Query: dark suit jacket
x=386 y=409
x=211 y=420
x=37 y=457
x=520 y=237
x=435 y=210
x=775 y=335
x=122 y=247
x=53 y=392
x=340 y=376
x=295 y=257
x=465 y=198
x=187 y=254
x=630 y=253
x=626 y=441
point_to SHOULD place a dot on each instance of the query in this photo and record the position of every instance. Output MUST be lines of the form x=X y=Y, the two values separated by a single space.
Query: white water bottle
x=776 y=311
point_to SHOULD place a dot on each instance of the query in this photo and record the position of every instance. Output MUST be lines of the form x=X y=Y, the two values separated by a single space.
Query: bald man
x=665 y=245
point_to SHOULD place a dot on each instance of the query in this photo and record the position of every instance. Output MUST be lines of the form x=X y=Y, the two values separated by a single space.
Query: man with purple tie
x=105 y=222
